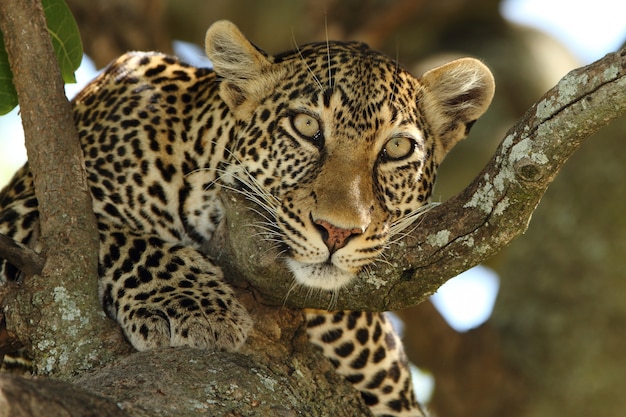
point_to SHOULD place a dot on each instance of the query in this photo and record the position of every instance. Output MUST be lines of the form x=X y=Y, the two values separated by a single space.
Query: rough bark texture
x=465 y=230
x=20 y=397
x=66 y=289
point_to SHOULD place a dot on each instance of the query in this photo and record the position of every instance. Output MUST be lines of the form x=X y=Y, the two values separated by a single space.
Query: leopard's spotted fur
x=337 y=142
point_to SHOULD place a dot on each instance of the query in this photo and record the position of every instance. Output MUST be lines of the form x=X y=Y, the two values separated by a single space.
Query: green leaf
x=65 y=37
x=8 y=95
x=67 y=46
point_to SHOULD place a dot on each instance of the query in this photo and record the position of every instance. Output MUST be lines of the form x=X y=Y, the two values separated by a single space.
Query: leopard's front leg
x=166 y=294
x=365 y=348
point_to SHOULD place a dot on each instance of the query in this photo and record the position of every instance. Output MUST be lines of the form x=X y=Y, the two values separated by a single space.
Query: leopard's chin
x=322 y=275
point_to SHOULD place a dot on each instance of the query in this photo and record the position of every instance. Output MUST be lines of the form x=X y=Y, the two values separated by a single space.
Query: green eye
x=306 y=126
x=398 y=147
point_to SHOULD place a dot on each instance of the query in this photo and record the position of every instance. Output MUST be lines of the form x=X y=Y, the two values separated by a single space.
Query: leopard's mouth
x=322 y=275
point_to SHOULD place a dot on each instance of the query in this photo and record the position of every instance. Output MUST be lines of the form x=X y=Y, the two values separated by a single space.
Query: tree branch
x=463 y=231
x=22 y=257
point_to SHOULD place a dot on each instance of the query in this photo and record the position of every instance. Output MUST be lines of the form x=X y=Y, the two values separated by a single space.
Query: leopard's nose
x=335 y=237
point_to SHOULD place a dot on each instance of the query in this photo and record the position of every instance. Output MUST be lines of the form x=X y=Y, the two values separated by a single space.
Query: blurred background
x=540 y=329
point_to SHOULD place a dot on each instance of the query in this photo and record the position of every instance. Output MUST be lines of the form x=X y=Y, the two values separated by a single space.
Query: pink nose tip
x=335 y=237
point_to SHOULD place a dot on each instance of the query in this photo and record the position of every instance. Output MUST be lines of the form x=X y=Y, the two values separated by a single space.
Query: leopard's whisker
x=306 y=64
x=406 y=221
x=330 y=72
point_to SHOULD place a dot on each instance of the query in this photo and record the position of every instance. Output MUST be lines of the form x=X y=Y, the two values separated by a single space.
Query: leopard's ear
x=240 y=64
x=455 y=95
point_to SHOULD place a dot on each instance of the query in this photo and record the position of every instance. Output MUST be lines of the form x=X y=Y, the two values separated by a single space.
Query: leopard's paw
x=185 y=320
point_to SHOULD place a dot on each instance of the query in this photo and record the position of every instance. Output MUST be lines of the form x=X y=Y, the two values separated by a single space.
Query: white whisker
x=315 y=79
x=382 y=259
x=266 y=227
x=402 y=224
x=395 y=76
x=334 y=298
x=330 y=73
x=295 y=284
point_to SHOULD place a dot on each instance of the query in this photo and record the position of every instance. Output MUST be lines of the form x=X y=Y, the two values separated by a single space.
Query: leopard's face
x=340 y=159
x=338 y=145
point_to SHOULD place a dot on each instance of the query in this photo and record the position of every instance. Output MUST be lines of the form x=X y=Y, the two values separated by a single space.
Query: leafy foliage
x=8 y=95
x=67 y=46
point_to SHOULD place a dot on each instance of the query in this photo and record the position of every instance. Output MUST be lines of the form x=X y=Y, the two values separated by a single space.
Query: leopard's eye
x=398 y=147
x=306 y=126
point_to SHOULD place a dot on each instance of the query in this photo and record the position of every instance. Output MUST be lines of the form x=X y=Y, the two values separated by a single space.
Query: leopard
x=335 y=143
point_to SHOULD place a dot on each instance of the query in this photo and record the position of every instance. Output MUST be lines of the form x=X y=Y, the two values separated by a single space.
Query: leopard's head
x=338 y=144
